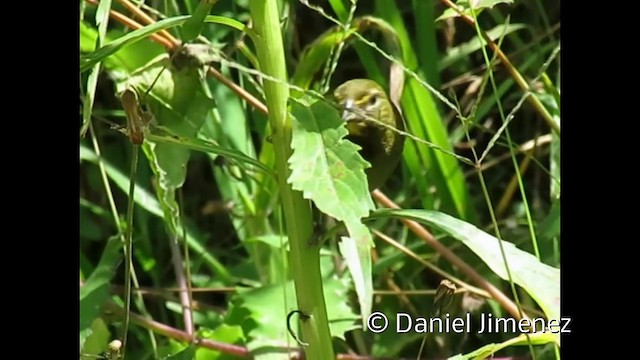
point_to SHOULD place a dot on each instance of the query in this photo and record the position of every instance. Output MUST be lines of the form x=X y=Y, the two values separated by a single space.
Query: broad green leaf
x=262 y=312
x=489 y=350
x=95 y=290
x=229 y=334
x=94 y=339
x=326 y=167
x=541 y=281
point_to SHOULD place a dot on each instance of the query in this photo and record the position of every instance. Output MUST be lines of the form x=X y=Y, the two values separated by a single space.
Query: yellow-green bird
x=361 y=99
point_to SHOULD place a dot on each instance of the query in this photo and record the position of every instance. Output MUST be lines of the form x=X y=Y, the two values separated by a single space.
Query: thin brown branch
x=252 y=100
x=147 y=20
x=179 y=335
x=184 y=295
x=132 y=24
x=425 y=235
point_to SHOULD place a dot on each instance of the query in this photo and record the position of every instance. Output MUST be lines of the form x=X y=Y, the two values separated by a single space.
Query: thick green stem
x=304 y=259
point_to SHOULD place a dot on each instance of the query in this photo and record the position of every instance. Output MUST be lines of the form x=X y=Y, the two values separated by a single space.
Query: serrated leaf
x=325 y=167
x=540 y=280
x=329 y=170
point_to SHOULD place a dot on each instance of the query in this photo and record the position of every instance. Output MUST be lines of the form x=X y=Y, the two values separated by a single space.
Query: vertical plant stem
x=304 y=259
x=128 y=247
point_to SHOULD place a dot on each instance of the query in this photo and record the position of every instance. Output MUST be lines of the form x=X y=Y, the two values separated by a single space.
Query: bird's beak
x=347 y=114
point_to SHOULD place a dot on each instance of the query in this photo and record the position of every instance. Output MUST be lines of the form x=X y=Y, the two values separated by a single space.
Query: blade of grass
x=128 y=245
x=425 y=122
x=102 y=19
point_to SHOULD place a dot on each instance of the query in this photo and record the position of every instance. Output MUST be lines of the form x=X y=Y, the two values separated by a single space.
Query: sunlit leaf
x=540 y=280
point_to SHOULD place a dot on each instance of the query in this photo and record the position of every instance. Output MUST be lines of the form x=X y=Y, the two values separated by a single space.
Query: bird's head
x=362 y=100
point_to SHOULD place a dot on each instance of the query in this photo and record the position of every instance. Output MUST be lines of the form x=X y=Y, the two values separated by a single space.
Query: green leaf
x=487 y=4
x=541 y=281
x=488 y=350
x=127 y=58
x=466 y=10
x=95 y=290
x=193 y=26
x=187 y=354
x=550 y=226
x=94 y=339
x=326 y=167
x=228 y=334
x=356 y=250
x=262 y=312
x=159 y=135
x=86 y=62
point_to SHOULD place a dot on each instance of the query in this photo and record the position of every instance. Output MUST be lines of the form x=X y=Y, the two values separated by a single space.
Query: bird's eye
x=373 y=100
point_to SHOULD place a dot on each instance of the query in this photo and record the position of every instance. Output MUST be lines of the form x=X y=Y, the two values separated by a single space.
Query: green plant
x=214 y=245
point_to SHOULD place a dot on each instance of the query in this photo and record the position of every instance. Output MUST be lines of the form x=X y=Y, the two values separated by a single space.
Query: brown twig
x=146 y=19
x=130 y=23
x=179 y=335
x=422 y=233
x=181 y=279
